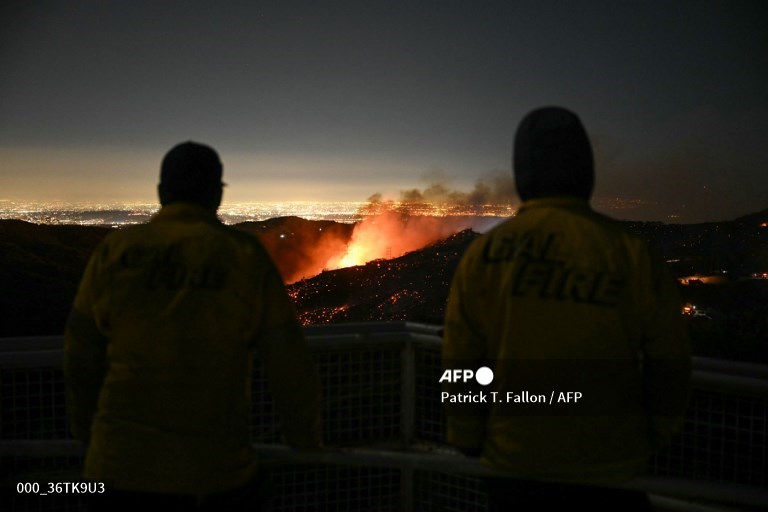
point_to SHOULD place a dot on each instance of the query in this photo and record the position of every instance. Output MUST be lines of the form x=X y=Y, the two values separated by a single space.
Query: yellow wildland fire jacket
x=158 y=355
x=561 y=299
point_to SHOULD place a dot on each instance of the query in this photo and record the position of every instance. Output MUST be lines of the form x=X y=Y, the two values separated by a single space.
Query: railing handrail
x=708 y=373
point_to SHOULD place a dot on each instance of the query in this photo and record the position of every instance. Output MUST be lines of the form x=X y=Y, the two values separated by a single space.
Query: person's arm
x=666 y=356
x=289 y=368
x=464 y=346
x=294 y=384
x=85 y=348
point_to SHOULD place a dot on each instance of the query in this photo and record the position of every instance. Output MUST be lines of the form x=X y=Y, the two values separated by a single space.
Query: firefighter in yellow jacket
x=159 y=346
x=581 y=326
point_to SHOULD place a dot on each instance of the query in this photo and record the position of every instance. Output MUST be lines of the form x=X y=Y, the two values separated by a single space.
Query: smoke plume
x=390 y=229
x=386 y=229
x=496 y=189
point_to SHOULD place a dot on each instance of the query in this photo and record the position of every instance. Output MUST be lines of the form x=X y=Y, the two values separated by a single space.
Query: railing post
x=406 y=488
x=408 y=406
x=407 y=421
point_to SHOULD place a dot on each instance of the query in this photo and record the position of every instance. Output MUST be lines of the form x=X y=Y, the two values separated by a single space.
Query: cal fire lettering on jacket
x=165 y=269
x=176 y=277
x=535 y=245
x=541 y=270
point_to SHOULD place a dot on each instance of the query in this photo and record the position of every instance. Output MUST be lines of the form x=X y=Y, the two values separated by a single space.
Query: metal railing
x=384 y=421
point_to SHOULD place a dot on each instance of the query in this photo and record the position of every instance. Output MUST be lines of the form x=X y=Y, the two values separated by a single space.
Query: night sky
x=337 y=100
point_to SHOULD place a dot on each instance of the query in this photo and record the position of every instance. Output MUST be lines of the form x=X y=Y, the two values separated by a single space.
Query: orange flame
x=390 y=234
x=388 y=229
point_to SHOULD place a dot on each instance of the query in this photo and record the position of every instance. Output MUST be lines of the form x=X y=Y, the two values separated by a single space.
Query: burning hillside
x=413 y=287
x=392 y=232
x=302 y=249
x=389 y=229
x=386 y=230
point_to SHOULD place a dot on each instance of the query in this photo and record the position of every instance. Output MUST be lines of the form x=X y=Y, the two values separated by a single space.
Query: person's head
x=552 y=155
x=191 y=172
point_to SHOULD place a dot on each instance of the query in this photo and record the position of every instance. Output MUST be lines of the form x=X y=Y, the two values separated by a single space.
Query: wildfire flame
x=389 y=229
x=375 y=237
x=393 y=232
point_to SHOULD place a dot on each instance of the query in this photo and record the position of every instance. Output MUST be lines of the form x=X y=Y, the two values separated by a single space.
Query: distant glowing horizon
x=133 y=212
x=108 y=175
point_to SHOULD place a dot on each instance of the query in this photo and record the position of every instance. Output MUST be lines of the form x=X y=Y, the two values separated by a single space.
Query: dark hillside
x=413 y=287
x=300 y=247
x=41 y=265
x=40 y=268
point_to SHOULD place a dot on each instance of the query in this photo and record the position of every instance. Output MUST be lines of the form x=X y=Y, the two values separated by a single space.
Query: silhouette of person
x=561 y=299
x=158 y=352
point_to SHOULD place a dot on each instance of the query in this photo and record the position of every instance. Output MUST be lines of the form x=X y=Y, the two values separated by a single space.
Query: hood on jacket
x=552 y=155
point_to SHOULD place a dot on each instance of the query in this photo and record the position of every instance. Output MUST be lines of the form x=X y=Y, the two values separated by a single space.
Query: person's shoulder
x=505 y=228
x=477 y=246
x=237 y=234
x=640 y=251
x=615 y=227
x=129 y=231
x=123 y=234
x=245 y=240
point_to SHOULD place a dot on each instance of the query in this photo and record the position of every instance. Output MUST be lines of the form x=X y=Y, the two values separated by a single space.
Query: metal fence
x=384 y=424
